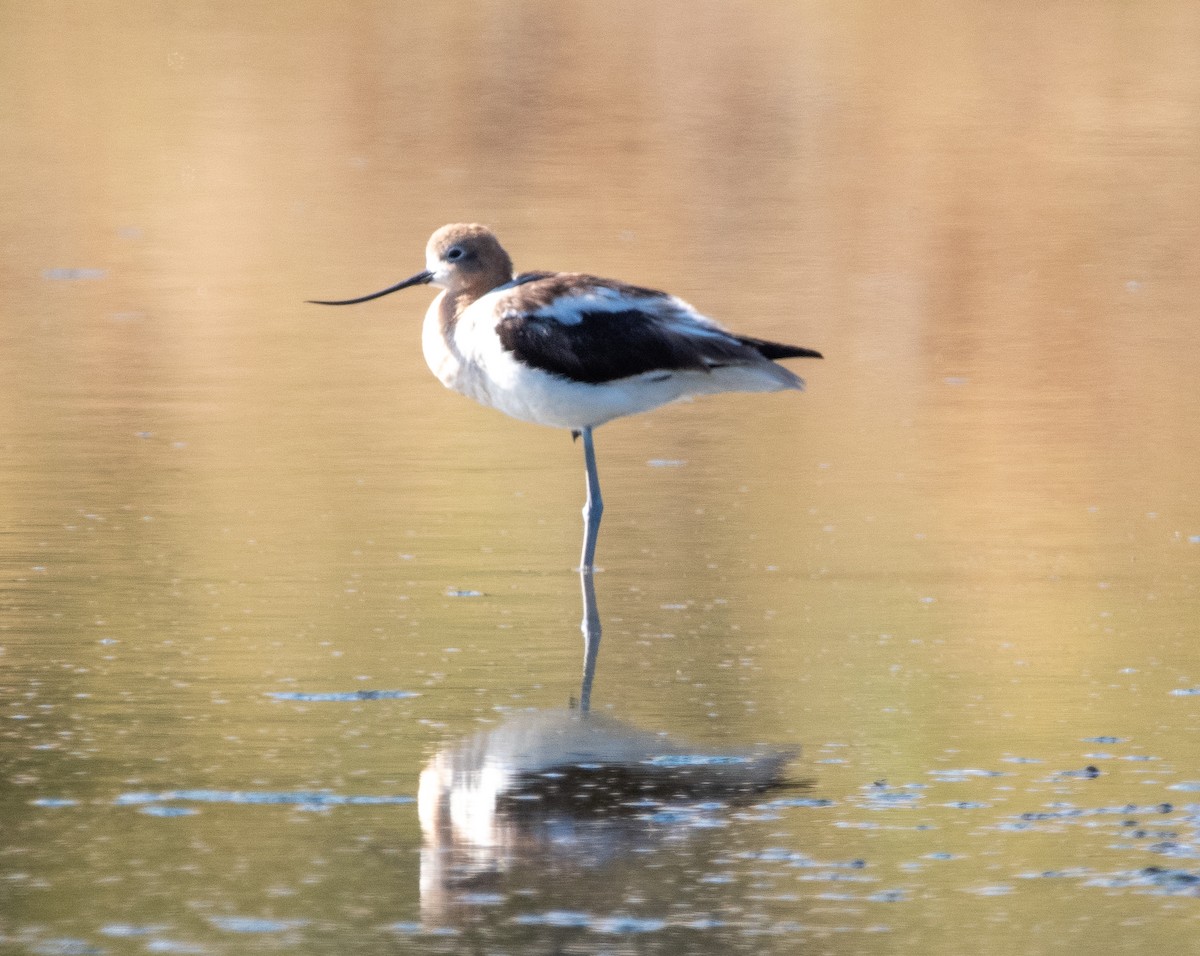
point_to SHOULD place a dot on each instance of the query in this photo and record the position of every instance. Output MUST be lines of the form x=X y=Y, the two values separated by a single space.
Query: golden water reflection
x=972 y=544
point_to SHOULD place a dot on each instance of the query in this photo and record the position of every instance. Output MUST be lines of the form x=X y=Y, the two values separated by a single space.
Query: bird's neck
x=456 y=301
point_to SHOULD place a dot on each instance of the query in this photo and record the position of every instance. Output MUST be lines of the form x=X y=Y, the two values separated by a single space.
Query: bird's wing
x=597 y=330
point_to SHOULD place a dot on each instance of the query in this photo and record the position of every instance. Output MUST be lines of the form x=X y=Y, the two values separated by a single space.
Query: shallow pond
x=290 y=651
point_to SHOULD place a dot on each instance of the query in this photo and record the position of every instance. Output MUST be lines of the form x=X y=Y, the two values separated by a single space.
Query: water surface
x=258 y=570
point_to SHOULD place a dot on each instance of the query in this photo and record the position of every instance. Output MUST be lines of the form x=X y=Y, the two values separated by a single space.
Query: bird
x=571 y=350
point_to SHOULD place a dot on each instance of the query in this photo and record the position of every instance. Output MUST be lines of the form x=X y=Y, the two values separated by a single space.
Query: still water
x=282 y=620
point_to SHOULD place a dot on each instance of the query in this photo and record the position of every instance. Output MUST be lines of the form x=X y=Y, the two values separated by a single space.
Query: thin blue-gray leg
x=593 y=508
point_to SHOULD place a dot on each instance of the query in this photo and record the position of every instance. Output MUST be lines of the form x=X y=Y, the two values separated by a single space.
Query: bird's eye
x=454 y=252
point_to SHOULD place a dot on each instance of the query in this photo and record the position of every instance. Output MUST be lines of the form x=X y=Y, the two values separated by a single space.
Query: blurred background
x=237 y=532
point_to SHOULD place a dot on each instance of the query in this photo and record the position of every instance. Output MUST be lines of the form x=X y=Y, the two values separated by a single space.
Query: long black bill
x=419 y=279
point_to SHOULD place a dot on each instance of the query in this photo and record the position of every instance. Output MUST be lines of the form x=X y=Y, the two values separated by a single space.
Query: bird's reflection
x=564 y=789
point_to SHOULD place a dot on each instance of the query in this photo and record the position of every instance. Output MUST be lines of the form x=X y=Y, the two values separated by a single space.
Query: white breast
x=470 y=357
x=443 y=361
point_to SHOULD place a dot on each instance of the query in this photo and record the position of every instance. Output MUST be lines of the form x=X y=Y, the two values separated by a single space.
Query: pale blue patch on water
x=883 y=797
x=54 y=802
x=627 y=925
x=128 y=929
x=702 y=923
x=254 y=924
x=955 y=776
x=692 y=817
x=73 y=274
x=1168 y=882
x=416 y=929
x=174 y=946
x=162 y=811
x=1186 y=692
x=777 y=854
x=1074 y=872
x=1086 y=773
x=694 y=760
x=343 y=696
x=554 y=918
x=1176 y=849
x=609 y=925
x=481 y=899
x=1065 y=811
x=707 y=823
x=157 y=945
x=65 y=946
x=303 y=798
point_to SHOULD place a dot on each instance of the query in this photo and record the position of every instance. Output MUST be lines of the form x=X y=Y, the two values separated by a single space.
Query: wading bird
x=571 y=350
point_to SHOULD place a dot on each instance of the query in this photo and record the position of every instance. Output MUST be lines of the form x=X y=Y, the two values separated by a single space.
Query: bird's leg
x=593 y=508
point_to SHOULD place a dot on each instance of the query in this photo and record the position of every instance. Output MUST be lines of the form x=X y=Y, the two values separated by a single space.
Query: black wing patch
x=605 y=346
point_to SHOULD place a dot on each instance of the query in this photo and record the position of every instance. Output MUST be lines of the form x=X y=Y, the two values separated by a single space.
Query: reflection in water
x=590 y=625
x=565 y=788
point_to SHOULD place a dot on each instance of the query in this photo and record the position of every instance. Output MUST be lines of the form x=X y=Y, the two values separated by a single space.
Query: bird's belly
x=536 y=396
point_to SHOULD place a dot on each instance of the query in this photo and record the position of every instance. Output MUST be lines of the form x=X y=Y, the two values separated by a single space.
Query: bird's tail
x=777 y=350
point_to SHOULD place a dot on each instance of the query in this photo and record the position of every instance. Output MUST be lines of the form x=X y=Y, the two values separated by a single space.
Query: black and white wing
x=594 y=330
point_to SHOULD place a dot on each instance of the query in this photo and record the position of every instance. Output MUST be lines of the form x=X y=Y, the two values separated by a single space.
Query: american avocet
x=571 y=350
